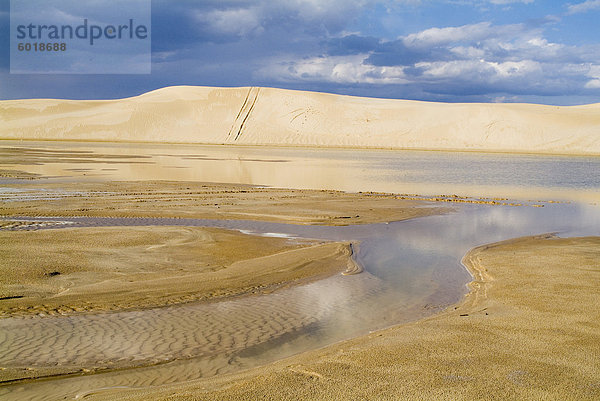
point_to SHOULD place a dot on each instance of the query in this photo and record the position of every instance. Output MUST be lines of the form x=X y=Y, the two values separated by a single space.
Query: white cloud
x=594 y=73
x=593 y=84
x=505 y=99
x=162 y=56
x=468 y=52
x=479 y=69
x=440 y=36
x=471 y=33
x=338 y=69
x=318 y=9
x=516 y=68
x=247 y=18
x=513 y=42
x=583 y=7
x=475 y=58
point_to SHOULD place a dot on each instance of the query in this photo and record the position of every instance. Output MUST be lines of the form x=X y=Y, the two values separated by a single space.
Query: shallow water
x=412 y=172
x=412 y=269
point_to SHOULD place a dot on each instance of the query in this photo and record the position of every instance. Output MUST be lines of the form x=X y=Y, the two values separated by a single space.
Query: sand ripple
x=188 y=341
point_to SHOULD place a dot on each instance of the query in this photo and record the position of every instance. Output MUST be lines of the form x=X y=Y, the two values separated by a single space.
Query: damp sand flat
x=79 y=197
x=411 y=271
x=67 y=271
x=527 y=331
x=344 y=309
x=58 y=272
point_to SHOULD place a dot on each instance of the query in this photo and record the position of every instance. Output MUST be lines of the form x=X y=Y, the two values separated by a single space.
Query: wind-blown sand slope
x=266 y=116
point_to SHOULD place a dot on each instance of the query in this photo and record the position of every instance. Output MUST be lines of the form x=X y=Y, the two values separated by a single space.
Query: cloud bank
x=446 y=50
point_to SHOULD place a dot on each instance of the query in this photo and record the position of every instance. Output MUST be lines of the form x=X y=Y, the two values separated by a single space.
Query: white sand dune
x=267 y=116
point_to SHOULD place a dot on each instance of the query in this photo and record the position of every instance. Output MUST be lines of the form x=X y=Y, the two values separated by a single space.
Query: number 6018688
x=42 y=47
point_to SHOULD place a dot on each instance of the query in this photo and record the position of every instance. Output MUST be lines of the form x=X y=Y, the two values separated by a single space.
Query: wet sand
x=74 y=271
x=206 y=201
x=472 y=352
x=59 y=272
x=529 y=329
x=54 y=271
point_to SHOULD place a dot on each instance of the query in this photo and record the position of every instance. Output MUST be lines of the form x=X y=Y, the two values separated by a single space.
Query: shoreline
x=478 y=284
x=313 y=147
x=332 y=369
x=45 y=282
x=188 y=199
x=194 y=271
x=169 y=199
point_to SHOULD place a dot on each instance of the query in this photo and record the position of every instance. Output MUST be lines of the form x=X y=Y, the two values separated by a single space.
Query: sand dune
x=267 y=116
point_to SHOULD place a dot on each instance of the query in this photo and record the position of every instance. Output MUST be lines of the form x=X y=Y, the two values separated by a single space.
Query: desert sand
x=529 y=329
x=268 y=116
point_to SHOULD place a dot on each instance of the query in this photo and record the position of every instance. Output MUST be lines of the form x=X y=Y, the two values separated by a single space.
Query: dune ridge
x=270 y=116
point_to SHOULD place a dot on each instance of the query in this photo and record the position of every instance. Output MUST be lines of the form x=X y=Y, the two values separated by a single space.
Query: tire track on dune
x=243 y=114
x=248 y=114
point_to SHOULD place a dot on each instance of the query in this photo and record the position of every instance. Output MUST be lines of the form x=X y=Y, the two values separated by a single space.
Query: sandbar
x=208 y=201
x=74 y=270
x=65 y=271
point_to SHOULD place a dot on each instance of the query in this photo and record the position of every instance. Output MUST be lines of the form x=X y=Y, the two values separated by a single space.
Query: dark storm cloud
x=351 y=44
x=396 y=53
x=332 y=47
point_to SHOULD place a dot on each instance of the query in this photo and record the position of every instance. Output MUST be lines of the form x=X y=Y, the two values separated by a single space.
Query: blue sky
x=448 y=50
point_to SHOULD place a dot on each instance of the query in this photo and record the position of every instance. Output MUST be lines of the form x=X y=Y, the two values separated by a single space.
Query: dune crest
x=268 y=116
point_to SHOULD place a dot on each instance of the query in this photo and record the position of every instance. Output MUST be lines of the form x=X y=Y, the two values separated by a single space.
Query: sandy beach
x=473 y=350
x=97 y=269
x=75 y=271
x=525 y=331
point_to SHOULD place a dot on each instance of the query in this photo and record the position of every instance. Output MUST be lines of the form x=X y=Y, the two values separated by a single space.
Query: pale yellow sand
x=529 y=330
x=269 y=116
